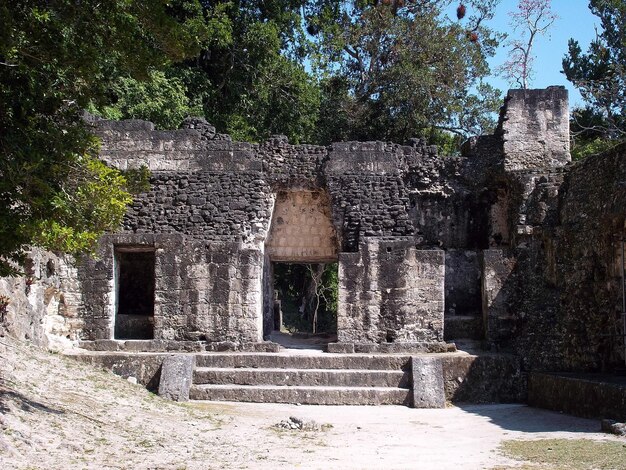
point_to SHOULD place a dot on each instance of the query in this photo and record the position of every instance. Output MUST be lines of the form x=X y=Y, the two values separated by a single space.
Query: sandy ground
x=59 y=414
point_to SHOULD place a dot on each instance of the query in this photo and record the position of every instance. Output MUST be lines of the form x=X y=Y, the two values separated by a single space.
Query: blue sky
x=575 y=21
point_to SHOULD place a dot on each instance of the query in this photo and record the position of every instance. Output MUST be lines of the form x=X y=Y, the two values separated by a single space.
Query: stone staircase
x=322 y=379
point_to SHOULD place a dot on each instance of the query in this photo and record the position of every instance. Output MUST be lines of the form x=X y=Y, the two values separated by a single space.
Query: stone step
x=302 y=394
x=317 y=361
x=463 y=326
x=302 y=377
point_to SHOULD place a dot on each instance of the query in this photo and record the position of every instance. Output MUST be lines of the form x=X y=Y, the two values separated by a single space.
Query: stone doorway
x=300 y=264
x=134 y=282
x=305 y=302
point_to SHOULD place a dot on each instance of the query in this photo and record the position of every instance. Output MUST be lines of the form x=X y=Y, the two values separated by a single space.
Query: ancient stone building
x=509 y=245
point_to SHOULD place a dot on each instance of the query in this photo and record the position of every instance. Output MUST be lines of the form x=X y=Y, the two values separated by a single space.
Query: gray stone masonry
x=390 y=292
x=406 y=225
x=220 y=211
x=176 y=376
x=535 y=125
x=428 y=385
x=509 y=244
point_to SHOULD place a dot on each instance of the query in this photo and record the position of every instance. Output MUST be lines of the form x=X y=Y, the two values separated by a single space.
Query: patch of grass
x=145 y=443
x=567 y=454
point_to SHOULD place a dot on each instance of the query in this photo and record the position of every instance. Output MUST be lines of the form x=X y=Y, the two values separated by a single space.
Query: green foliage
x=330 y=284
x=395 y=70
x=253 y=80
x=600 y=73
x=590 y=133
x=585 y=148
x=299 y=294
x=137 y=179
x=160 y=99
x=248 y=80
x=55 y=59
x=320 y=71
x=93 y=201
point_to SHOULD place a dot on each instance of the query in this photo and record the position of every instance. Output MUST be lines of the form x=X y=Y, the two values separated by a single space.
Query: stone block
x=535 y=125
x=428 y=385
x=340 y=348
x=176 y=377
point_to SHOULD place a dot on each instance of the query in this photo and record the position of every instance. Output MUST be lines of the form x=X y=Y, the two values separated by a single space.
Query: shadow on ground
x=523 y=418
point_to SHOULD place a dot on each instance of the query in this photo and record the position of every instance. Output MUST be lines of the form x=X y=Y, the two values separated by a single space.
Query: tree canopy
x=56 y=58
x=315 y=70
x=600 y=75
x=322 y=70
x=392 y=69
x=249 y=79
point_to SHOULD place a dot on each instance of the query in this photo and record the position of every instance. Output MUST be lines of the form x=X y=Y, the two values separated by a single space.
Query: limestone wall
x=552 y=288
x=278 y=202
x=535 y=126
x=45 y=305
x=391 y=292
x=510 y=236
x=587 y=260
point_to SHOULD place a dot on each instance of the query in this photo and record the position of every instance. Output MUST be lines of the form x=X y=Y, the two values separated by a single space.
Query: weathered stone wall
x=45 y=305
x=588 y=258
x=202 y=292
x=551 y=282
x=535 y=126
x=214 y=198
x=510 y=238
x=222 y=204
x=390 y=292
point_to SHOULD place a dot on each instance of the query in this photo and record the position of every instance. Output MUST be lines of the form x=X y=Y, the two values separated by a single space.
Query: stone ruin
x=509 y=246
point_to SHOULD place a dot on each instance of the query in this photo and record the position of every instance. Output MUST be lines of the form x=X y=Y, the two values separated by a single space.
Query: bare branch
x=534 y=18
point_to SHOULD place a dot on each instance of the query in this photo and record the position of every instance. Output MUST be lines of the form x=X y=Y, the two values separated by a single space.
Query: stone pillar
x=391 y=292
x=535 y=127
x=427 y=382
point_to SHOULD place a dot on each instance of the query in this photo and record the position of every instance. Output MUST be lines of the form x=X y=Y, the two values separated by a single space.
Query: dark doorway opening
x=134 y=317
x=305 y=300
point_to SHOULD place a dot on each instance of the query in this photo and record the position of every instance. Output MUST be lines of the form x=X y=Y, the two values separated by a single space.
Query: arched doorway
x=300 y=292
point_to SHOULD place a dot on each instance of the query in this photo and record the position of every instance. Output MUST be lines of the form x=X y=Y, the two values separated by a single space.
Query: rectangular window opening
x=134 y=315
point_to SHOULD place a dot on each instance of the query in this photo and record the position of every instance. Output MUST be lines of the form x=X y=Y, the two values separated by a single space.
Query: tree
x=290 y=67
x=600 y=75
x=160 y=98
x=323 y=292
x=394 y=69
x=309 y=296
x=248 y=80
x=55 y=59
x=255 y=82
x=533 y=18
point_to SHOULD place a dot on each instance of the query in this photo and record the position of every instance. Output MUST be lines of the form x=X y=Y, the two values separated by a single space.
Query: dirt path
x=59 y=414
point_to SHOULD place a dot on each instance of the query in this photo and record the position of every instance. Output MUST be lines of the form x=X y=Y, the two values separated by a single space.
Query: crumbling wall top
x=535 y=129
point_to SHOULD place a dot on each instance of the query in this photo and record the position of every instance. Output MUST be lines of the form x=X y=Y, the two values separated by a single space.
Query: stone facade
x=221 y=212
x=509 y=244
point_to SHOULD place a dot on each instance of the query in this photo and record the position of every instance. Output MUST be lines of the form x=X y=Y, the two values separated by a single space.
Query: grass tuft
x=567 y=454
